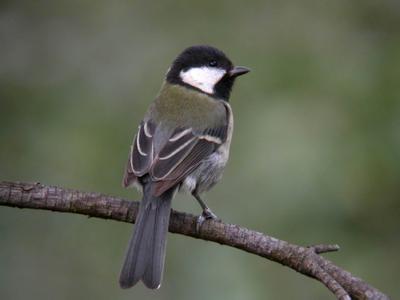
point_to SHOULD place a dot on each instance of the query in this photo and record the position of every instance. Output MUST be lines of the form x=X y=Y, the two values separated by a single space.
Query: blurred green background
x=315 y=156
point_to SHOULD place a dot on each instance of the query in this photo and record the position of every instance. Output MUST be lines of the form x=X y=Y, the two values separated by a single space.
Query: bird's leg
x=206 y=214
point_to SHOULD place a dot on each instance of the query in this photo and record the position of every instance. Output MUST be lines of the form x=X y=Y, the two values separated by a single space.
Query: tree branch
x=305 y=260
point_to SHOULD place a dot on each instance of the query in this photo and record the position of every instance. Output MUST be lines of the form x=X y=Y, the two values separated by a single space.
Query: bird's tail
x=145 y=255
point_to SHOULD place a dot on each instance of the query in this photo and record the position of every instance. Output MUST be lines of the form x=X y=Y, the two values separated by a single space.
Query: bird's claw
x=207 y=214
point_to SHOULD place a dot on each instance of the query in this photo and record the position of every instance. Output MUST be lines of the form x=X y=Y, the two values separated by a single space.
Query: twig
x=305 y=260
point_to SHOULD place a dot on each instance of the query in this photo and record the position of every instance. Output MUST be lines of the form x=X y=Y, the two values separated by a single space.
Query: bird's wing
x=182 y=153
x=141 y=155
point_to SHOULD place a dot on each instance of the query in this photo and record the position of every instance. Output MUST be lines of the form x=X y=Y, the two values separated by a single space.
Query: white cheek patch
x=203 y=78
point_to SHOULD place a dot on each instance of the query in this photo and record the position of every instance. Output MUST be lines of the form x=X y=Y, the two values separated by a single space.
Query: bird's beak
x=237 y=71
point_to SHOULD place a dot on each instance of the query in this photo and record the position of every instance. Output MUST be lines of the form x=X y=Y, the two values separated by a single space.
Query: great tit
x=181 y=144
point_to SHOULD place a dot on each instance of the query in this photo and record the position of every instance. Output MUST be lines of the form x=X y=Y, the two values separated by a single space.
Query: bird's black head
x=205 y=69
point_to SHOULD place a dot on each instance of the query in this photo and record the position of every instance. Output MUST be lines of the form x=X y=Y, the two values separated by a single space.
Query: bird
x=182 y=144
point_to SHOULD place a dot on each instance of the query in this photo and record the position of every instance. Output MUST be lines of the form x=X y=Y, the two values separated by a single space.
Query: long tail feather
x=145 y=255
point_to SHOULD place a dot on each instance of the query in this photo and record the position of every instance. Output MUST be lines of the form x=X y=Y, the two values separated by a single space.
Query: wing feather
x=141 y=154
x=180 y=155
x=173 y=152
x=173 y=163
x=201 y=150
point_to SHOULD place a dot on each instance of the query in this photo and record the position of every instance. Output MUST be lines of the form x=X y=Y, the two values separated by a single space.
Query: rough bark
x=306 y=260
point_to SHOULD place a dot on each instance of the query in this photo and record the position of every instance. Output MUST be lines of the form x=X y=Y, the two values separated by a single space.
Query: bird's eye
x=213 y=63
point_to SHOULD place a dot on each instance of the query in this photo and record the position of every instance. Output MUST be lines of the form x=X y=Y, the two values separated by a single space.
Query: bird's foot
x=206 y=215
